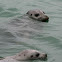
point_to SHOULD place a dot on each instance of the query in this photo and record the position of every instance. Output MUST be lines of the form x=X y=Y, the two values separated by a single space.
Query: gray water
x=18 y=33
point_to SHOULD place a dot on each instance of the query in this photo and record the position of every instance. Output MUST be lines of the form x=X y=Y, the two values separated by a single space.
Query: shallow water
x=18 y=33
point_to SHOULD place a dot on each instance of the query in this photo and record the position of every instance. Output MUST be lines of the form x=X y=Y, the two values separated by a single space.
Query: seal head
x=38 y=15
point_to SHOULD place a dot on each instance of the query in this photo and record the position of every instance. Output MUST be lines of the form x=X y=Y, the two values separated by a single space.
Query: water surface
x=18 y=33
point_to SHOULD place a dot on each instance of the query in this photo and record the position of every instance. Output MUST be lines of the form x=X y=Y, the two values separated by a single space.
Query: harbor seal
x=25 y=55
x=38 y=15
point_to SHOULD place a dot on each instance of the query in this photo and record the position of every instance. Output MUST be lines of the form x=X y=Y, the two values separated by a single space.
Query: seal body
x=25 y=55
x=38 y=15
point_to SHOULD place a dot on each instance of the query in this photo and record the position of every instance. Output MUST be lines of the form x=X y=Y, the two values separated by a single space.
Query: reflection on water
x=18 y=32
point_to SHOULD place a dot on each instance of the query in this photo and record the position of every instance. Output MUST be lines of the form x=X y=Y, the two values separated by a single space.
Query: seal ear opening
x=27 y=12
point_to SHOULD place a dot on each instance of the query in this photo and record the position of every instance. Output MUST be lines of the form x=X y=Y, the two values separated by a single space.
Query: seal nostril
x=45 y=55
x=46 y=17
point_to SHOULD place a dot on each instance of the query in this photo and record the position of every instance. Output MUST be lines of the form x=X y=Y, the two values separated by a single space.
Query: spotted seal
x=25 y=55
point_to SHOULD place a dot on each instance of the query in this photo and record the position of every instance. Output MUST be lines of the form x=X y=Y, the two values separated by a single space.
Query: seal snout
x=41 y=56
x=44 y=57
x=45 y=19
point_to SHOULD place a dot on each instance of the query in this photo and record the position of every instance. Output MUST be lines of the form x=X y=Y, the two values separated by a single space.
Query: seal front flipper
x=1 y=58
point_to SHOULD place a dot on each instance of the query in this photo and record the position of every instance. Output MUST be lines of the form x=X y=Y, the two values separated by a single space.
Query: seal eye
x=37 y=55
x=36 y=15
